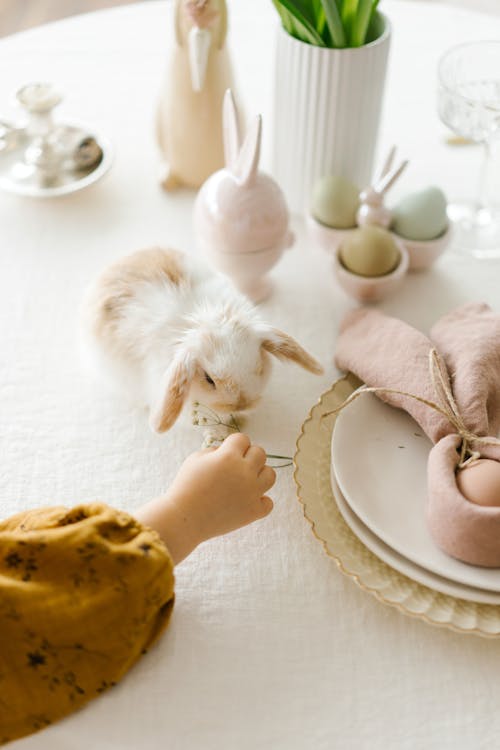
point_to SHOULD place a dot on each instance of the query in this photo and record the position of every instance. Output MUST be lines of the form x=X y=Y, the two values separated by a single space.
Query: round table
x=269 y=646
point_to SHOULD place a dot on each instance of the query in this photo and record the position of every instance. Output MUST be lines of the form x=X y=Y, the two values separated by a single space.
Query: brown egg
x=480 y=482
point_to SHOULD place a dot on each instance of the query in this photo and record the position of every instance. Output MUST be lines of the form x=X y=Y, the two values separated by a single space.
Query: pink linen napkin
x=468 y=339
x=385 y=352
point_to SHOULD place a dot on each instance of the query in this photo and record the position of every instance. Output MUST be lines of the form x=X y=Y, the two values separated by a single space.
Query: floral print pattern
x=83 y=593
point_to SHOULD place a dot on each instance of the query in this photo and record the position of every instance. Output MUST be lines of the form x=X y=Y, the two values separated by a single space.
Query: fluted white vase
x=327 y=107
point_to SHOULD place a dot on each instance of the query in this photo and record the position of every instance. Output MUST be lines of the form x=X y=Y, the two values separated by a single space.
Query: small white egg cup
x=326 y=237
x=248 y=271
x=241 y=219
x=368 y=289
x=424 y=253
x=421 y=254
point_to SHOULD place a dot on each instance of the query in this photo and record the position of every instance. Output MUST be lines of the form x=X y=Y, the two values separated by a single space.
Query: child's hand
x=223 y=488
x=216 y=491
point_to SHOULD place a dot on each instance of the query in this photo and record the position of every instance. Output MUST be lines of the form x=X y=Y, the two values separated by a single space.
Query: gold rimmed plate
x=312 y=476
x=391 y=502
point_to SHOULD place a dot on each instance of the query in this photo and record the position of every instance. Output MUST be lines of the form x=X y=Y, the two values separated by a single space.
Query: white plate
x=379 y=455
x=400 y=563
x=312 y=476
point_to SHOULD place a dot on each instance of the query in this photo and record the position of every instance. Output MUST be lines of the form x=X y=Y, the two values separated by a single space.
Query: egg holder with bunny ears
x=449 y=383
x=414 y=233
x=240 y=215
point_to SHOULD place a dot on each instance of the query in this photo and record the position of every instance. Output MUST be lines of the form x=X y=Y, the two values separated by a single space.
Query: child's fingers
x=264 y=506
x=256 y=456
x=266 y=478
x=236 y=442
x=208 y=449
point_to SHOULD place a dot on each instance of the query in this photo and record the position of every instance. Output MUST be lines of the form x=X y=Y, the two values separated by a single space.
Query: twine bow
x=447 y=407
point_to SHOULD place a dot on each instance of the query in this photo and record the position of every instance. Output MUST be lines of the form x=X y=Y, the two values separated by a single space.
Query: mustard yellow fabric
x=83 y=593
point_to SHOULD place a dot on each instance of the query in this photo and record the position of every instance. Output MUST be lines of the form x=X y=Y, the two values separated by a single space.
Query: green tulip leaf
x=329 y=23
x=304 y=27
x=334 y=23
x=362 y=21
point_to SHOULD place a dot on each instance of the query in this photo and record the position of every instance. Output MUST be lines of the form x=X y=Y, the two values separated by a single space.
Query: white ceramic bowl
x=327 y=238
x=423 y=254
x=371 y=288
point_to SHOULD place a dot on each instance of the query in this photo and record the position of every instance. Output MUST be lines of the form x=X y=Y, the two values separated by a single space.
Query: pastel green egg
x=370 y=251
x=335 y=201
x=421 y=216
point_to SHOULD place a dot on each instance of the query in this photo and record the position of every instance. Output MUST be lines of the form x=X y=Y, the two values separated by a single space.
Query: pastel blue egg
x=421 y=216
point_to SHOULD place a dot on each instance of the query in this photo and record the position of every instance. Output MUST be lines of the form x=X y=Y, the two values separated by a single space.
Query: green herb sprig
x=328 y=23
x=204 y=416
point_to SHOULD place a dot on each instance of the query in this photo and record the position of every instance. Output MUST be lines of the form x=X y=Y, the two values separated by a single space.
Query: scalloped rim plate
x=312 y=478
x=392 y=503
x=403 y=564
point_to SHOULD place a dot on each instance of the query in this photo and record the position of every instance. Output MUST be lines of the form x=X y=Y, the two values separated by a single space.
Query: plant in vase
x=327 y=23
x=331 y=59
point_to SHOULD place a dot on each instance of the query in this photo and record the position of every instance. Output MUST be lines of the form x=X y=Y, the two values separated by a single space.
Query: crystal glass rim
x=452 y=50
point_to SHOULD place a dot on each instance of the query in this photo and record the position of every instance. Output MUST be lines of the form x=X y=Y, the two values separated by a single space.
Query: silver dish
x=43 y=159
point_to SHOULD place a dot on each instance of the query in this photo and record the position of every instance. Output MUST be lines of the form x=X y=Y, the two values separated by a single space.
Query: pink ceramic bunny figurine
x=372 y=209
x=241 y=218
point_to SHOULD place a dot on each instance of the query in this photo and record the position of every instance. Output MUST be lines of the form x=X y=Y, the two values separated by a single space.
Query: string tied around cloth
x=447 y=407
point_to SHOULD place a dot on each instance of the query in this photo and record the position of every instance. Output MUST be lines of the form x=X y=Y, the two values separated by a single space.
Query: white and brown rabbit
x=168 y=329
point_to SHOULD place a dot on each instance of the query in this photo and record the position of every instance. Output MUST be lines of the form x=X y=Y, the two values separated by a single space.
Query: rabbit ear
x=248 y=160
x=388 y=163
x=231 y=130
x=174 y=390
x=284 y=347
x=390 y=177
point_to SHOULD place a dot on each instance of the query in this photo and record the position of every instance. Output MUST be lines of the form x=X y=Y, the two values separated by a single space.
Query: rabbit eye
x=209 y=379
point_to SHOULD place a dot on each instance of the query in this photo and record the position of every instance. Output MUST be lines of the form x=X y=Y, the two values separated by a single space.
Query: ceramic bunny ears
x=242 y=161
x=389 y=174
x=240 y=213
x=372 y=209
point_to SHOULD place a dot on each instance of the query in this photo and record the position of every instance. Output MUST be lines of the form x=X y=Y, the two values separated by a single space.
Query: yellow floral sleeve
x=83 y=593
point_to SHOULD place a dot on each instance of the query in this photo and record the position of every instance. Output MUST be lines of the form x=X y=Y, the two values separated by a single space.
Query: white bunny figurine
x=372 y=209
x=189 y=118
x=168 y=329
x=240 y=214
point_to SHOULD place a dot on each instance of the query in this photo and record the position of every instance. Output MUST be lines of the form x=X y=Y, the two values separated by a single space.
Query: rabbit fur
x=167 y=329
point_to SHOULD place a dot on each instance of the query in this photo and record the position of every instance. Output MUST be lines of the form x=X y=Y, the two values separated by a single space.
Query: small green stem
x=233 y=425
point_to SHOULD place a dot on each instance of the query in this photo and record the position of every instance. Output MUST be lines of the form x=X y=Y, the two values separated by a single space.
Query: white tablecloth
x=269 y=646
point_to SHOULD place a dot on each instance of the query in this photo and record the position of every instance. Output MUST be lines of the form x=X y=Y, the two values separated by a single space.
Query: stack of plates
x=361 y=477
x=379 y=479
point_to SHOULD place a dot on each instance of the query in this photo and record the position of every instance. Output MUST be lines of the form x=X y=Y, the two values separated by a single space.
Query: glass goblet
x=469 y=104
